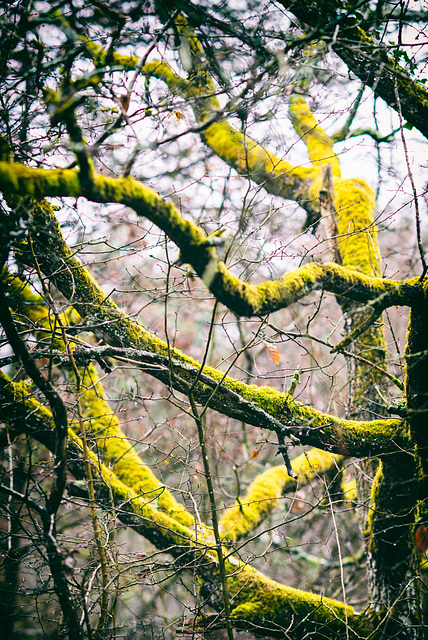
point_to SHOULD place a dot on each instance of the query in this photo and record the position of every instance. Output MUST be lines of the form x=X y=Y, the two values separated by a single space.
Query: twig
x=200 y=423
x=412 y=182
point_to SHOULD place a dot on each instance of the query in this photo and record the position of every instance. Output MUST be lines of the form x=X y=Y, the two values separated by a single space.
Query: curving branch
x=239 y=296
x=268 y=488
x=260 y=406
x=102 y=426
x=365 y=57
x=258 y=603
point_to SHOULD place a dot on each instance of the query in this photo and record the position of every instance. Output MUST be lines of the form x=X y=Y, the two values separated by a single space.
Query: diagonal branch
x=257 y=601
x=365 y=57
x=239 y=296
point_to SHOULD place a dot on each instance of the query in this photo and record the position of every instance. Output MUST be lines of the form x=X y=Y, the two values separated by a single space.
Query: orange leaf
x=273 y=352
x=421 y=538
x=255 y=453
x=177 y=114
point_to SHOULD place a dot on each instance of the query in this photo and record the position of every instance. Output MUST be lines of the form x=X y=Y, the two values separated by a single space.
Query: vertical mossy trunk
x=387 y=486
x=417 y=391
x=392 y=564
x=397 y=503
x=417 y=406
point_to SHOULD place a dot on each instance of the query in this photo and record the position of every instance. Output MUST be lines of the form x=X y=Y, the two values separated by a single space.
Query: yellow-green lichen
x=265 y=491
x=117 y=452
x=318 y=143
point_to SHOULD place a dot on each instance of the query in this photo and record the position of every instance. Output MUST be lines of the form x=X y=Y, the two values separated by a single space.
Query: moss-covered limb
x=103 y=426
x=359 y=250
x=264 y=407
x=318 y=143
x=22 y=413
x=32 y=307
x=241 y=152
x=353 y=198
x=267 y=488
x=19 y=409
x=268 y=608
x=392 y=556
x=365 y=57
x=256 y=599
x=239 y=296
x=238 y=150
x=24 y=296
x=100 y=421
x=417 y=390
x=106 y=319
x=358 y=244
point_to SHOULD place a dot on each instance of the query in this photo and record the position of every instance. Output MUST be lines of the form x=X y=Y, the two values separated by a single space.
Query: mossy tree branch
x=231 y=397
x=256 y=601
x=101 y=425
x=241 y=297
x=267 y=489
x=365 y=57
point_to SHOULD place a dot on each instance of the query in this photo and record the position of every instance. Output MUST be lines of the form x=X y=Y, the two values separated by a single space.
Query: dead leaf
x=273 y=352
x=124 y=101
x=421 y=538
x=177 y=114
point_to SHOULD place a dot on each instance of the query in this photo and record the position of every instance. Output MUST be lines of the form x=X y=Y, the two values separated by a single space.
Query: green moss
x=100 y=421
x=161 y=528
x=318 y=143
x=265 y=491
x=256 y=600
x=358 y=236
x=241 y=297
x=33 y=307
x=118 y=453
x=90 y=301
x=102 y=57
x=163 y=71
x=261 y=604
x=19 y=392
x=165 y=529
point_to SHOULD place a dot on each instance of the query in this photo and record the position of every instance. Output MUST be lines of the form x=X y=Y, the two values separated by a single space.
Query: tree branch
x=366 y=58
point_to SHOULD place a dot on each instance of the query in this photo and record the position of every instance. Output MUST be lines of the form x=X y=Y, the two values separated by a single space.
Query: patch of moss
x=318 y=143
x=261 y=604
x=267 y=488
x=358 y=235
x=118 y=453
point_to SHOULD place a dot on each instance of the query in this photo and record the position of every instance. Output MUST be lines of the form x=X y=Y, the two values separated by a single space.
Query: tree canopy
x=196 y=277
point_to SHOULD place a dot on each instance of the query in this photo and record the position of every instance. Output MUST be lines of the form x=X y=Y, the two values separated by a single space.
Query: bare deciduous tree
x=159 y=348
